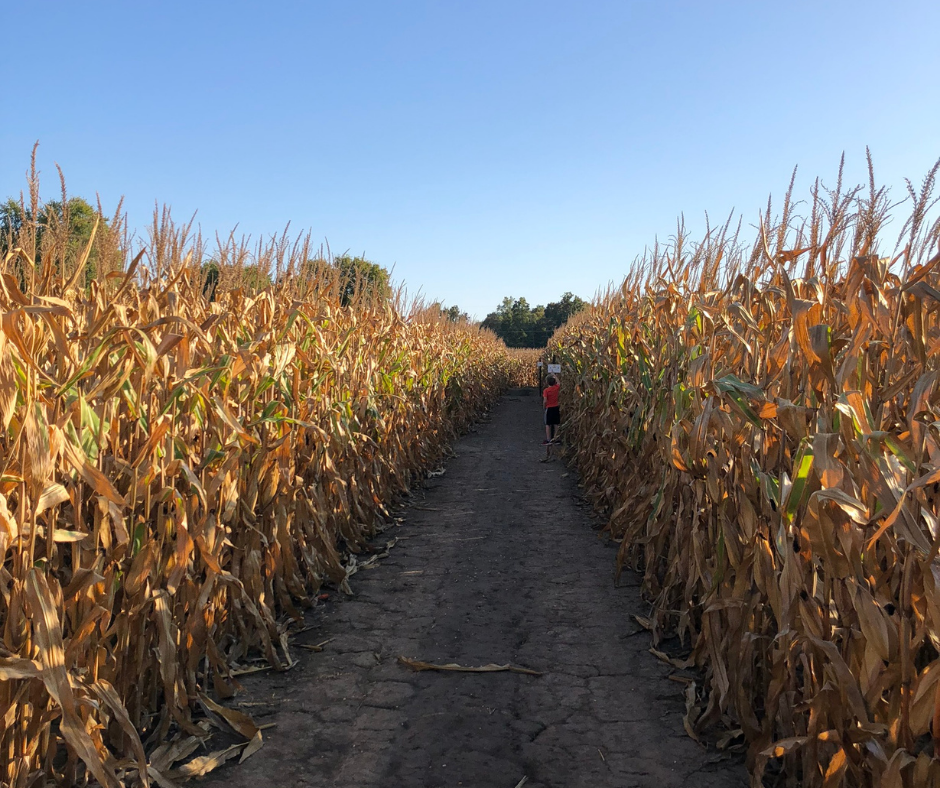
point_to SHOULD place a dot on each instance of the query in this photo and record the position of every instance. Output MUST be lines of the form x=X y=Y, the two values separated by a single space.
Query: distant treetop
x=520 y=325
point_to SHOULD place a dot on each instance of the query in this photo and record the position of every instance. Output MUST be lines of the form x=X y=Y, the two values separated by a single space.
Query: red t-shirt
x=550 y=396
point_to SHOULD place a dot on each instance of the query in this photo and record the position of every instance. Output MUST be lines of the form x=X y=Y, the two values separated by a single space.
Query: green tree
x=451 y=314
x=80 y=218
x=513 y=322
x=454 y=315
x=520 y=325
x=210 y=273
x=62 y=232
x=12 y=218
x=255 y=277
x=558 y=313
x=359 y=275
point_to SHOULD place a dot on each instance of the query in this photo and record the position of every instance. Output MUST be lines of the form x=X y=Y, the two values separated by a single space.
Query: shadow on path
x=498 y=563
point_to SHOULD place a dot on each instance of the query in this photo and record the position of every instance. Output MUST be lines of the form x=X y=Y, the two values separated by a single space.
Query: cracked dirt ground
x=497 y=561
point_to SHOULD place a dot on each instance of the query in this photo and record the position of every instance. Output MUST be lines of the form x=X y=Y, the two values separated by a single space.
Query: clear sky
x=480 y=148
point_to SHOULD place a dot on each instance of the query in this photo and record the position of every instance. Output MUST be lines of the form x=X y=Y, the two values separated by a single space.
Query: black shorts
x=553 y=415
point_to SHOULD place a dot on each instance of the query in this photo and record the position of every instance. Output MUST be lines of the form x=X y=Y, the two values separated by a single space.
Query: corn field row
x=179 y=475
x=761 y=427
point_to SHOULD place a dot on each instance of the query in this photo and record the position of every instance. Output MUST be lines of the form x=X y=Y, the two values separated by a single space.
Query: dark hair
x=551 y=380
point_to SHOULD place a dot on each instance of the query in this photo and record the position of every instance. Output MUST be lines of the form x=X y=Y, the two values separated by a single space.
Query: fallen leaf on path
x=644 y=622
x=416 y=664
x=676 y=663
x=692 y=712
x=254 y=745
x=318 y=647
x=163 y=758
x=238 y=721
x=204 y=764
x=253 y=669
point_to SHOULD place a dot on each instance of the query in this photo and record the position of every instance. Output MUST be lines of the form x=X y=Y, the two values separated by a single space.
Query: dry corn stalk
x=761 y=429
x=181 y=468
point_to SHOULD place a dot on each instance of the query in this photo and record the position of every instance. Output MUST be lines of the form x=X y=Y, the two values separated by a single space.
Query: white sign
x=554 y=369
x=539 y=365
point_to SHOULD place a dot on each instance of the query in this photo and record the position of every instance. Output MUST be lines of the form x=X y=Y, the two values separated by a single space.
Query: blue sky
x=481 y=148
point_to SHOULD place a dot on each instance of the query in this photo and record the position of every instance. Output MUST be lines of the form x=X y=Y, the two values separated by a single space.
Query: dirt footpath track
x=496 y=562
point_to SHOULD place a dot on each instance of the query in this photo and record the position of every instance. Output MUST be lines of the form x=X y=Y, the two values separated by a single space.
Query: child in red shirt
x=552 y=411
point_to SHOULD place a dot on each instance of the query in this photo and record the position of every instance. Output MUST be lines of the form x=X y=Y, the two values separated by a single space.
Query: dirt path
x=497 y=563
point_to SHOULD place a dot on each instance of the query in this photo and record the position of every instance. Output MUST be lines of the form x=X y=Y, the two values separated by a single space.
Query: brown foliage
x=178 y=477
x=761 y=429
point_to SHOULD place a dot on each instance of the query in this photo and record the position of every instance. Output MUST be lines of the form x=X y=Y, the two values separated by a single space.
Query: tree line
x=355 y=275
x=63 y=231
x=520 y=325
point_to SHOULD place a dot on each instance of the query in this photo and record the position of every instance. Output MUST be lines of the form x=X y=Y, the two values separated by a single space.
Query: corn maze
x=180 y=471
x=184 y=464
x=760 y=428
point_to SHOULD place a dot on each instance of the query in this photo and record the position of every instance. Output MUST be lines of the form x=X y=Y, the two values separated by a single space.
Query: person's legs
x=552 y=420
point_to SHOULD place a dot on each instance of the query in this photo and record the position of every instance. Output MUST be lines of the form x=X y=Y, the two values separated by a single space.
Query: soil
x=497 y=561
